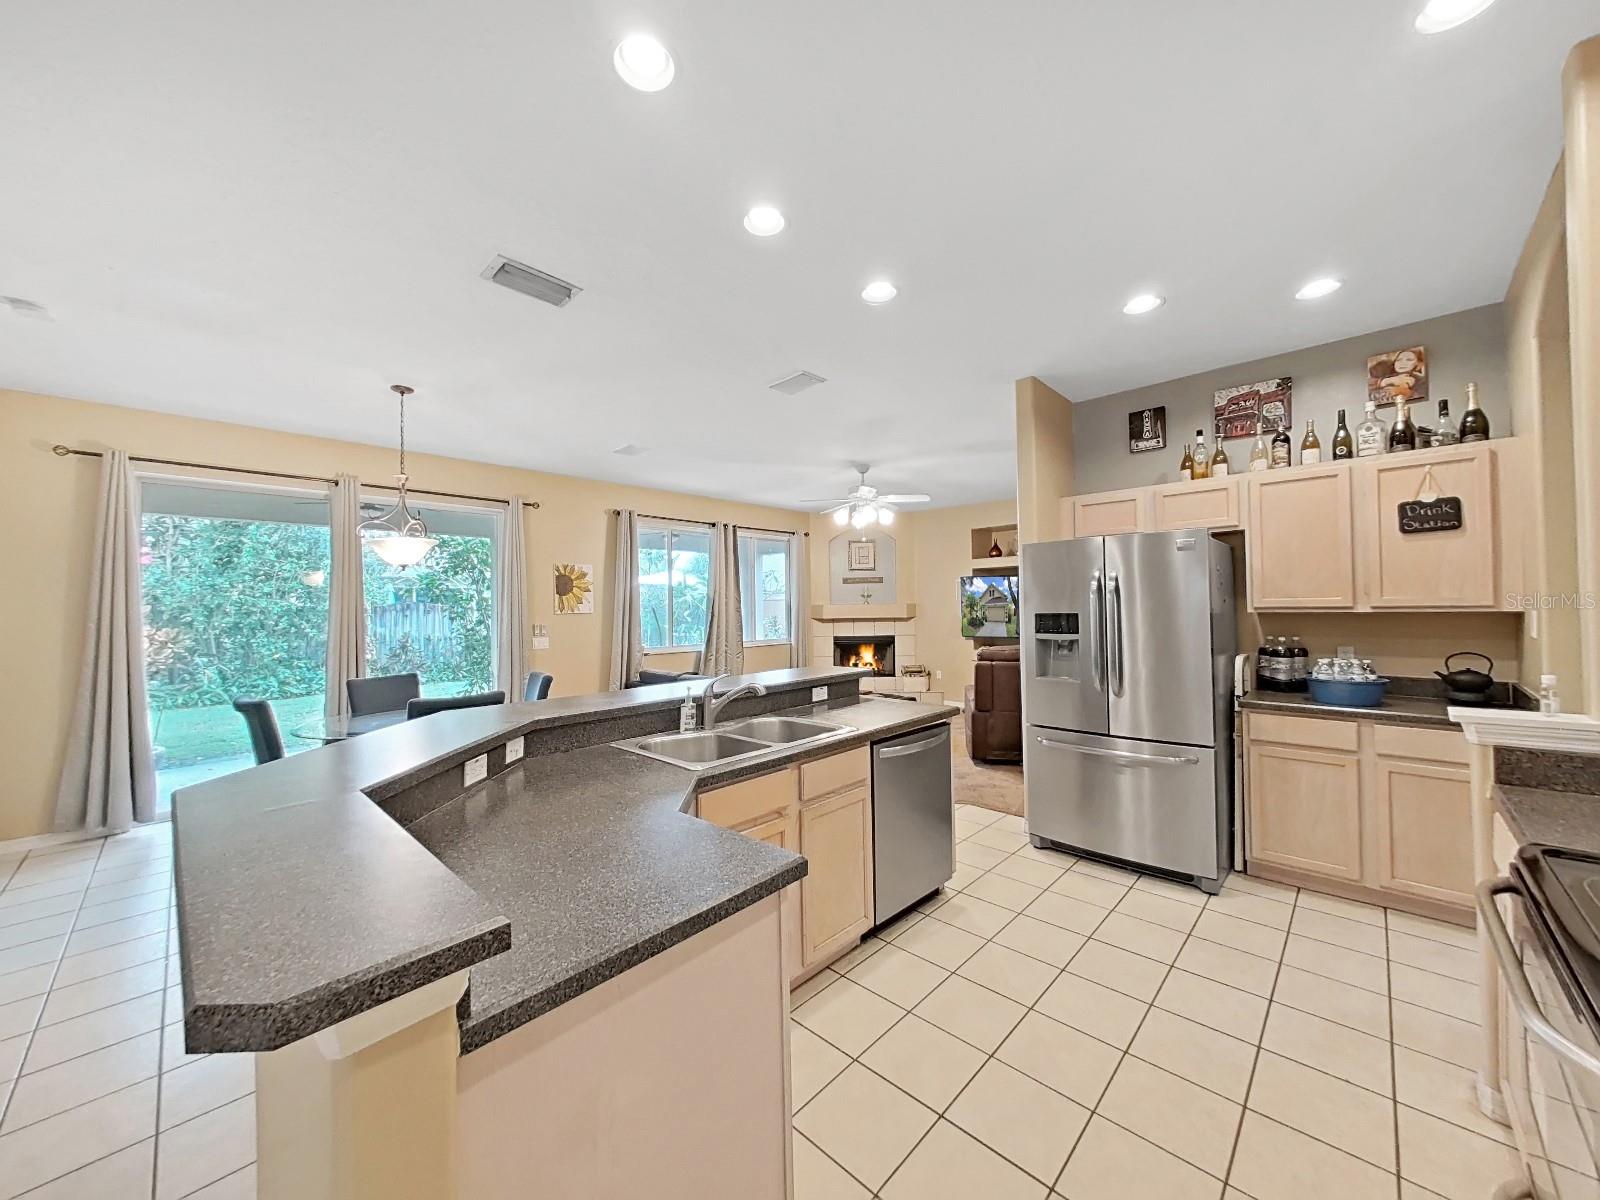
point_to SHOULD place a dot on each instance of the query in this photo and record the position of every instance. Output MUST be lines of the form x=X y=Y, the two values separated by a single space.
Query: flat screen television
x=989 y=606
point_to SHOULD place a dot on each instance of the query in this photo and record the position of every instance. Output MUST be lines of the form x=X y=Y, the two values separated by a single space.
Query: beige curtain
x=625 y=636
x=347 y=613
x=109 y=780
x=724 y=650
x=800 y=601
x=511 y=603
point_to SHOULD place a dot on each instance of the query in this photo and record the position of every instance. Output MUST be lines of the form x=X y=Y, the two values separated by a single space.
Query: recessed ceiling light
x=763 y=220
x=1318 y=288
x=643 y=62
x=1142 y=303
x=879 y=291
x=1439 y=15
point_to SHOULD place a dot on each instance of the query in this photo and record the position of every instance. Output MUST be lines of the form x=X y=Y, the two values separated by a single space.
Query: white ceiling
x=266 y=212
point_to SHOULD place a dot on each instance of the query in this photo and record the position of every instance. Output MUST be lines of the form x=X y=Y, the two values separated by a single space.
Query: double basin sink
x=743 y=739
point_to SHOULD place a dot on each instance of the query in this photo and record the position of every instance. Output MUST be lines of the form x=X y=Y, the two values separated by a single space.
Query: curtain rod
x=61 y=451
x=616 y=512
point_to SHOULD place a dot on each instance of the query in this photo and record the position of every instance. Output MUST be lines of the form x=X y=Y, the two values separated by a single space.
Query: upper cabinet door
x=1105 y=513
x=1448 y=568
x=1301 y=551
x=1201 y=504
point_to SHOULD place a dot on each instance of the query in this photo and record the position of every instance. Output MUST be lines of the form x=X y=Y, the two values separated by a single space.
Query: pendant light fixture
x=399 y=536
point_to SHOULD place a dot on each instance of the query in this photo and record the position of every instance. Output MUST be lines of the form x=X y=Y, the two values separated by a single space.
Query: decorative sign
x=1237 y=411
x=864 y=555
x=1398 y=375
x=1431 y=516
x=574 y=588
x=1147 y=430
x=863 y=579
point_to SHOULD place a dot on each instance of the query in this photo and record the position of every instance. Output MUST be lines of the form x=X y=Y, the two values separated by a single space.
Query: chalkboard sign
x=1431 y=516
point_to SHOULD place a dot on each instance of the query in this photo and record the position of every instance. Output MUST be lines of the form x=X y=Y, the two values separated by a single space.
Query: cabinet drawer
x=1432 y=745
x=1302 y=731
x=740 y=803
x=835 y=772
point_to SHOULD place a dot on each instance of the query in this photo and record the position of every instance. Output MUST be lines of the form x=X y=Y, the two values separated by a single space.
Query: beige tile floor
x=1058 y=1028
x=98 y=1101
x=1047 y=1027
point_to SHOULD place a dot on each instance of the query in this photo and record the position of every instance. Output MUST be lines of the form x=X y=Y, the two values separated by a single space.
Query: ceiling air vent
x=793 y=385
x=530 y=282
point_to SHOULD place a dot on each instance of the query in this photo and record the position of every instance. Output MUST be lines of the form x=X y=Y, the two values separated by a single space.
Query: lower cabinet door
x=784 y=831
x=1305 y=810
x=836 y=894
x=1423 y=815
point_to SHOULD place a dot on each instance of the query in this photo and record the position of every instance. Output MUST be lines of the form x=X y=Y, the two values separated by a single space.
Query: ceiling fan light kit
x=863 y=505
x=399 y=536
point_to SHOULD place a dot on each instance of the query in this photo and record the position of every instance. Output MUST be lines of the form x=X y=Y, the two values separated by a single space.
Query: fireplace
x=860 y=650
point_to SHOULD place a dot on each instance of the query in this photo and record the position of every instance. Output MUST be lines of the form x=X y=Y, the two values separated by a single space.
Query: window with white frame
x=674 y=586
x=765 y=577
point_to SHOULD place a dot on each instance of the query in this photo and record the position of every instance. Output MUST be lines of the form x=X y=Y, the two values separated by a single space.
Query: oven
x=1549 y=1048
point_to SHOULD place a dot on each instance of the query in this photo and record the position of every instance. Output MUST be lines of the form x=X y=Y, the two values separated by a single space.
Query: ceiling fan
x=863 y=506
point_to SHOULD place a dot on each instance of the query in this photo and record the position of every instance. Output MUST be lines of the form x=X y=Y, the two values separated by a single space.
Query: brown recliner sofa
x=993 y=708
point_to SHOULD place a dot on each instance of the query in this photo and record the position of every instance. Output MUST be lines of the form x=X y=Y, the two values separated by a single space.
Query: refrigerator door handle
x=1114 y=641
x=1097 y=630
x=1185 y=760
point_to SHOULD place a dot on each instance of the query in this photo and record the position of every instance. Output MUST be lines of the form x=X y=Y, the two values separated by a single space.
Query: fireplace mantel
x=863 y=612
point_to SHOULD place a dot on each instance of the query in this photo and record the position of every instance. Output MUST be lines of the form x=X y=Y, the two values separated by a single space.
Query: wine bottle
x=1343 y=445
x=1202 y=456
x=1474 y=422
x=1280 y=447
x=1444 y=433
x=1186 y=466
x=1402 y=434
x=1220 y=466
x=1260 y=455
x=1310 y=445
x=1371 y=436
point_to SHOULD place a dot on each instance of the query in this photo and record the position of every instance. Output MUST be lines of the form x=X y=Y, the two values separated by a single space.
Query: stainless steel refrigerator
x=1127 y=660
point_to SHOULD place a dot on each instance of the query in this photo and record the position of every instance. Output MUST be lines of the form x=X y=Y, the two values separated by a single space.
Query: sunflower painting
x=574 y=588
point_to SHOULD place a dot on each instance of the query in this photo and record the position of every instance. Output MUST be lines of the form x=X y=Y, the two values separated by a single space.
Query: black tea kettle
x=1467 y=686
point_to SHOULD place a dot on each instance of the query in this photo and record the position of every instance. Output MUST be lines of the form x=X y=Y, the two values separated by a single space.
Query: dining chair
x=537 y=685
x=425 y=706
x=381 y=693
x=266 y=742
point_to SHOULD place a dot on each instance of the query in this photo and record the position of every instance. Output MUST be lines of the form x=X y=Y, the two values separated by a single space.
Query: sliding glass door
x=235 y=606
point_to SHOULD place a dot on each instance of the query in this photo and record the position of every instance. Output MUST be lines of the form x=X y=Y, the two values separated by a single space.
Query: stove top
x=1563 y=890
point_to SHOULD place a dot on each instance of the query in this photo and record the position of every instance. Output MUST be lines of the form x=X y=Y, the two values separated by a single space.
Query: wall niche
x=863 y=568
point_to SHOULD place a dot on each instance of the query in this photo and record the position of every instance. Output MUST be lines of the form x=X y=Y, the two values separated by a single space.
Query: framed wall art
x=1398 y=375
x=1147 y=429
x=1236 y=411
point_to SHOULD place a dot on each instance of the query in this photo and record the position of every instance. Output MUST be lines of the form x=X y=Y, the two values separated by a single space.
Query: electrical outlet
x=819 y=694
x=476 y=770
x=938 y=674
x=513 y=750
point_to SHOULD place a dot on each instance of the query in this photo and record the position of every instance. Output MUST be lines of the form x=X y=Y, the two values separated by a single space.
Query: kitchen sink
x=713 y=747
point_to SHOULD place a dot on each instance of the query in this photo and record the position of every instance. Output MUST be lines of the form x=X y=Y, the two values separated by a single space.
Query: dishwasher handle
x=1517 y=985
x=904 y=748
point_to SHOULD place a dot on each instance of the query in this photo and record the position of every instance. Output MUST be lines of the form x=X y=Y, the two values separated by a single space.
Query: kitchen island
x=357 y=913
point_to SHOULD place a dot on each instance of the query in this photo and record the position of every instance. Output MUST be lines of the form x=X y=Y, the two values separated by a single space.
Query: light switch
x=476 y=770
x=513 y=750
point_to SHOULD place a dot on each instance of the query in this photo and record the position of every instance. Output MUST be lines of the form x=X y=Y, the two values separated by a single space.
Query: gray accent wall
x=1463 y=347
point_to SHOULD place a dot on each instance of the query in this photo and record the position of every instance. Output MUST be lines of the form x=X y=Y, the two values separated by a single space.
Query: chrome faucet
x=711 y=705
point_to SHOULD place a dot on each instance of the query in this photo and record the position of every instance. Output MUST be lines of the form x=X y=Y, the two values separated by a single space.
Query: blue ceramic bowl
x=1349 y=693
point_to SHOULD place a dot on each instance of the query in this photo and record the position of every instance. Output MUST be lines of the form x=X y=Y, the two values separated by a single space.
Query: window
x=436 y=618
x=674 y=586
x=764 y=587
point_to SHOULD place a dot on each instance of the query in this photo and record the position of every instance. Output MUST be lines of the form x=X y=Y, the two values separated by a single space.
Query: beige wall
x=49 y=504
x=1462 y=347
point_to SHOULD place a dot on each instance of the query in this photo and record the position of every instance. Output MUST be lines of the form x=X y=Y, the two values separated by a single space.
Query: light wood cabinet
x=836 y=895
x=1106 y=513
x=740 y=805
x=1384 y=807
x=1299 y=539
x=783 y=831
x=1200 y=504
x=1453 y=568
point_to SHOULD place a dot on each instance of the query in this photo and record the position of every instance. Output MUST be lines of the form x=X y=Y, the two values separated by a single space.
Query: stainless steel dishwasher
x=913 y=821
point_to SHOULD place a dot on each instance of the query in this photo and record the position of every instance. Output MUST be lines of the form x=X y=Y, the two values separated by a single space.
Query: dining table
x=337 y=729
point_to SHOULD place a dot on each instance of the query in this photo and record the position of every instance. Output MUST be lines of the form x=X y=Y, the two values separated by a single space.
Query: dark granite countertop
x=301 y=903
x=1395 y=710
x=594 y=857
x=1541 y=816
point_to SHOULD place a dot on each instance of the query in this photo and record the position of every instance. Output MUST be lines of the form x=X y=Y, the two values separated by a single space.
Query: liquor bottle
x=1402 y=434
x=1310 y=445
x=1344 y=445
x=1202 y=456
x=1371 y=436
x=1474 y=422
x=1444 y=433
x=1186 y=467
x=1220 y=466
x=1260 y=455
x=1280 y=447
